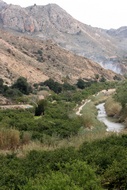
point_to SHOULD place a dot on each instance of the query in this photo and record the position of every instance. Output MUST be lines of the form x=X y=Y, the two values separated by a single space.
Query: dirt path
x=18 y=106
x=80 y=108
x=105 y=92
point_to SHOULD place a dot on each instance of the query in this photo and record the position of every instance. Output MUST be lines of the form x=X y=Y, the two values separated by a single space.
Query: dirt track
x=27 y=106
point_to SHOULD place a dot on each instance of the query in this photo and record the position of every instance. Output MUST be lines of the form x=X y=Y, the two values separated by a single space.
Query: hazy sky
x=99 y=13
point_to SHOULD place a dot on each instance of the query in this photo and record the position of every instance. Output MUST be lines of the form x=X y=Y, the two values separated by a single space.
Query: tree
x=1 y=82
x=22 y=85
x=102 y=79
x=1 y=85
x=96 y=76
x=80 y=84
x=41 y=107
x=55 y=86
x=67 y=86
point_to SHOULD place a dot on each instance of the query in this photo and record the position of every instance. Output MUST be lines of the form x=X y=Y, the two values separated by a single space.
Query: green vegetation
x=89 y=118
x=82 y=84
x=108 y=156
x=22 y=85
x=19 y=88
x=51 y=148
x=121 y=94
x=116 y=106
x=57 y=87
x=112 y=107
x=97 y=165
x=40 y=109
x=102 y=79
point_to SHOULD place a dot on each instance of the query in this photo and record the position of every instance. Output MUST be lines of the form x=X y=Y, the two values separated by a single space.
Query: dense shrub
x=68 y=168
x=108 y=156
x=9 y=138
x=12 y=93
x=55 y=86
x=121 y=94
x=77 y=176
x=112 y=107
x=82 y=84
x=22 y=85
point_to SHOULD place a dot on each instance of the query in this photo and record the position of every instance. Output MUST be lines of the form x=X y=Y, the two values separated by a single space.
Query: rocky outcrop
x=17 y=18
x=52 y=22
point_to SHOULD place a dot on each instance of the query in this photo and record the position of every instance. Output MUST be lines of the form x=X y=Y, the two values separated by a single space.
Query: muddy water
x=102 y=116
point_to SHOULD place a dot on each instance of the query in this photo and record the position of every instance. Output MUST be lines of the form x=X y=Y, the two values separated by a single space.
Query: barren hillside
x=52 y=22
x=38 y=60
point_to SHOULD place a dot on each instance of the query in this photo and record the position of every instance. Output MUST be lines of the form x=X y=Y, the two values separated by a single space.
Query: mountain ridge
x=52 y=22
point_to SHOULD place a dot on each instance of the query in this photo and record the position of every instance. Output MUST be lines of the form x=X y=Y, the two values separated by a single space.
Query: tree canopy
x=22 y=85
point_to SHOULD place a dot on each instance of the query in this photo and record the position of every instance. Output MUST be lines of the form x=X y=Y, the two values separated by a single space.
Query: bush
x=102 y=79
x=87 y=120
x=26 y=137
x=9 y=139
x=77 y=175
x=112 y=107
x=12 y=93
x=121 y=94
x=40 y=52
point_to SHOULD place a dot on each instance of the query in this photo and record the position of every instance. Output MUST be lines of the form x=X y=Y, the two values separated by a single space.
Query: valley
x=59 y=79
x=51 y=135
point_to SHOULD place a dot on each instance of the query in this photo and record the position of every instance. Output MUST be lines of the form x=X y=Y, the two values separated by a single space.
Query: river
x=102 y=116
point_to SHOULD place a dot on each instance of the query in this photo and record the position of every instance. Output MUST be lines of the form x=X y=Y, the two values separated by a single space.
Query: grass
x=37 y=117
x=101 y=97
x=90 y=120
x=74 y=141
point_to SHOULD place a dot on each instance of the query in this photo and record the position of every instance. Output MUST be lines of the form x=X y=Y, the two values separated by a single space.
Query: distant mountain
x=120 y=32
x=52 y=22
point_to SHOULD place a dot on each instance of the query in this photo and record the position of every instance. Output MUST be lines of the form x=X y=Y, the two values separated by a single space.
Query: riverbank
x=90 y=117
x=111 y=126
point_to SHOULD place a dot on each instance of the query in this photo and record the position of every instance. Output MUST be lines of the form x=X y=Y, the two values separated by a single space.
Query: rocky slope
x=120 y=32
x=52 y=22
x=38 y=60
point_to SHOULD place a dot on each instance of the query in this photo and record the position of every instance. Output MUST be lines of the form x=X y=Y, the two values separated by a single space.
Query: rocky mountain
x=37 y=60
x=120 y=32
x=2 y=5
x=52 y=22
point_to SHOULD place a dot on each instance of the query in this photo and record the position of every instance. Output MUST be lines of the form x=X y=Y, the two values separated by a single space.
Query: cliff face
x=37 y=18
x=52 y=22
x=18 y=19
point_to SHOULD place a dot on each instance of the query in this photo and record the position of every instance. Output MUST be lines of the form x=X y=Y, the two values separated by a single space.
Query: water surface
x=102 y=116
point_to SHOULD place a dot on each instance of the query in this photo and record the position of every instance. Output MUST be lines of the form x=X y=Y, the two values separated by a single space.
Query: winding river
x=102 y=116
